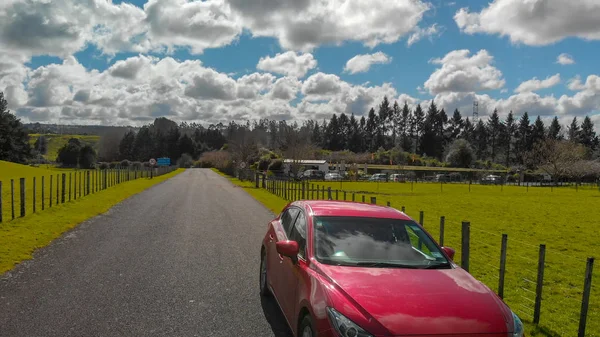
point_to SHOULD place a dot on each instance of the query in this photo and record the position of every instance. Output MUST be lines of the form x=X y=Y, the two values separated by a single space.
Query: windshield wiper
x=443 y=265
x=386 y=264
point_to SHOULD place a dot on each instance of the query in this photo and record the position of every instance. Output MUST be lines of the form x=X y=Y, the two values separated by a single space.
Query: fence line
x=533 y=286
x=79 y=186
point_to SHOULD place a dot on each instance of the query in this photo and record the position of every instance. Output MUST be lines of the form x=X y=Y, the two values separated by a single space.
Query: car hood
x=422 y=301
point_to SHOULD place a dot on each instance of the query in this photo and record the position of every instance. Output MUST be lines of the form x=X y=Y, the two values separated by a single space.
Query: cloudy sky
x=112 y=62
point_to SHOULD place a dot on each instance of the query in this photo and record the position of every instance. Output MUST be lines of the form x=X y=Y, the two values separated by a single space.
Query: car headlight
x=518 y=326
x=344 y=326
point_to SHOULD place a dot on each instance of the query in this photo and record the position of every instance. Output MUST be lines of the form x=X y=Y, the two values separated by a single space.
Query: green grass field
x=55 y=142
x=21 y=236
x=564 y=219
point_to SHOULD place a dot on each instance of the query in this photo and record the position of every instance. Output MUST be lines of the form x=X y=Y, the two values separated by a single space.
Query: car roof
x=352 y=209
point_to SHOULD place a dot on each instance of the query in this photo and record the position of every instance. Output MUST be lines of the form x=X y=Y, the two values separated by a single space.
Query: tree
x=355 y=138
x=68 y=154
x=187 y=146
x=41 y=145
x=494 y=131
x=143 y=144
x=455 y=126
x=587 y=135
x=573 y=130
x=460 y=154
x=481 y=139
x=126 y=146
x=406 y=126
x=14 y=141
x=538 y=132
x=523 y=136
x=510 y=130
x=396 y=123
x=108 y=146
x=418 y=123
x=87 y=157
x=371 y=131
x=554 y=131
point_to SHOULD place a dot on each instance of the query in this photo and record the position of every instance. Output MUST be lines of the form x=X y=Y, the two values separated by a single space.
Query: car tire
x=306 y=328
x=263 y=282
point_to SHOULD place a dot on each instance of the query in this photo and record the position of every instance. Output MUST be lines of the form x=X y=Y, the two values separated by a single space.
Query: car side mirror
x=449 y=251
x=288 y=248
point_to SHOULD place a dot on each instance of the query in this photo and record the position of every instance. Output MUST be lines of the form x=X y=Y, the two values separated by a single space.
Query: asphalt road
x=180 y=259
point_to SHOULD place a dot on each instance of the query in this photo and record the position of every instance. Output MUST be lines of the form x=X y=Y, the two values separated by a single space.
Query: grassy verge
x=272 y=202
x=21 y=237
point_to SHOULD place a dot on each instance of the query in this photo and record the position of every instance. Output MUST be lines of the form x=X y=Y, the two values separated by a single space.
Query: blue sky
x=514 y=51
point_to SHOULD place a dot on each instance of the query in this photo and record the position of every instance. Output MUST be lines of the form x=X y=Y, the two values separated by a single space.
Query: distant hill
x=55 y=142
x=97 y=130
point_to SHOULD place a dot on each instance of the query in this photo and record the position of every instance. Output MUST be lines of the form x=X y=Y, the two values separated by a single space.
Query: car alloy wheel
x=307 y=332
x=306 y=327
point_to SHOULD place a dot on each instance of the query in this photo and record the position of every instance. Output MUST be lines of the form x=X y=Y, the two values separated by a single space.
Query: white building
x=321 y=165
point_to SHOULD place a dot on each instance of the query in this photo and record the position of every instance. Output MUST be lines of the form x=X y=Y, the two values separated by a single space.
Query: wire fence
x=23 y=196
x=529 y=279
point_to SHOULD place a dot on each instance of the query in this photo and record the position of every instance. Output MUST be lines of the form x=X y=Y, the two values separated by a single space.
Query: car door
x=275 y=260
x=290 y=271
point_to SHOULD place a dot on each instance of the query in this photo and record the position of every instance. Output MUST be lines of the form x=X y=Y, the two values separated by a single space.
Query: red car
x=345 y=269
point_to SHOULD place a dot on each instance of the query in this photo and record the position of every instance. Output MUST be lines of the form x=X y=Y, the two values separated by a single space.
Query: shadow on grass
x=275 y=317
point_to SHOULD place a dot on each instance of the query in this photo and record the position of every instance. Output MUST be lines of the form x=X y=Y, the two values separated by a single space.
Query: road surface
x=180 y=259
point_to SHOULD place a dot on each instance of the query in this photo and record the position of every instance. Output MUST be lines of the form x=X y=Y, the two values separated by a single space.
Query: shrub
x=136 y=165
x=113 y=164
x=185 y=161
x=103 y=165
x=125 y=163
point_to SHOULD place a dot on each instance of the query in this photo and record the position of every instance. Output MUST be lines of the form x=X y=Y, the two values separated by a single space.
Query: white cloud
x=421 y=33
x=461 y=72
x=306 y=24
x=198 y=24
x=534 y=22
x=286 y=88
x=288 y=63
x=565 y=59
x=534 y=84
x=575 y=84
x=362 y=63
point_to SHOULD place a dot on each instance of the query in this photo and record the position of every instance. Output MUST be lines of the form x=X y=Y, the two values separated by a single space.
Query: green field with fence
x=565 y=220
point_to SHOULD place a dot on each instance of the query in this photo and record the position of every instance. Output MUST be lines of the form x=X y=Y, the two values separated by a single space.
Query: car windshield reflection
x=376 y=243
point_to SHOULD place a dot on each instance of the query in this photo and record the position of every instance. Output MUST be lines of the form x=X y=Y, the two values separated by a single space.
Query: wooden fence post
x=75 y=186
x=64 y=187
x=442 y=223
x=57 y=187
x=12 y=198
x=353 y=197
x=502 y=265
x=304 y=183
x=22 y=183
x=80 y=184
x=70 y=185
x=540 y=284
x=88 y=182
x=465 y=246
x=0 y=202
x=389 y=204
x=329 y=193
x=587 y=287
x=337 y=195
x=363 y=198
x=43 y=190
x=344 y=195
x=34 y=194
x=403 y=209
x=50 y=192
x=374 y=200
x=421 y=216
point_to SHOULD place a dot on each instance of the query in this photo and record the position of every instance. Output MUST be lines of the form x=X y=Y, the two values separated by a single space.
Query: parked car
x=333 y=176
x=313 y=175
x=353 y=269
x=400 y=178
x=491 y=180
x=378 y=177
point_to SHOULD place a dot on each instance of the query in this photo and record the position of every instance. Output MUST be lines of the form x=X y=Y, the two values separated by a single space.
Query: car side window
x=287 y=219
x=298 y=234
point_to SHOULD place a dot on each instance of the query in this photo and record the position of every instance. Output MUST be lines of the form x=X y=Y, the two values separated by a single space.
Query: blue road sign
x=164 y=162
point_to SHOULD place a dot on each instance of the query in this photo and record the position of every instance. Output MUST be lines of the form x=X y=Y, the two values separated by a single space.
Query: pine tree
x=406 y=126
x=344 y=131
x=126 y=146
x=355 y=138
x=523 y=136
x=587 y=136
x=510 y=131
x=428 y=140
x=538 y=132
x=574 y=130
x=418 y=122
x=396 y=119
x=455 y=126
x=481 y=139
x=371 y=131
x=494 y=132
x=383 y=123
x=554 y=129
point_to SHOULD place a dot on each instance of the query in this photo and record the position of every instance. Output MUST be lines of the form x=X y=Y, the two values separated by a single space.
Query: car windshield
x=374 y=242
